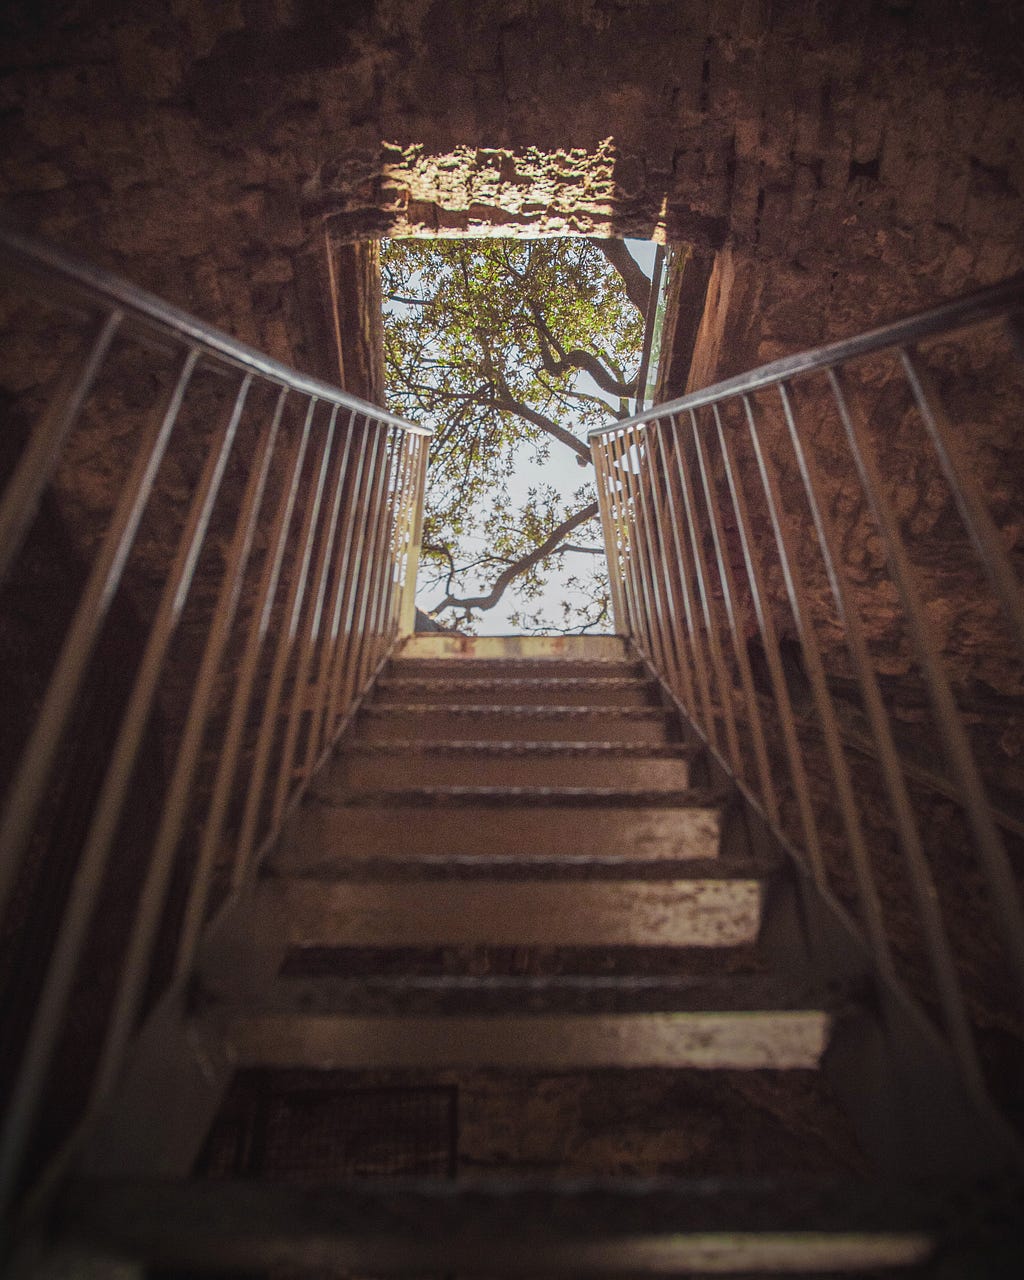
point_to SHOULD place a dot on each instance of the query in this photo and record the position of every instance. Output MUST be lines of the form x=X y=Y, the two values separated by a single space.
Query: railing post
x=407 y=617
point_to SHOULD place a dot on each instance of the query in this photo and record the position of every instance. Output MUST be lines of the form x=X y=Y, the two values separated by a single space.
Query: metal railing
x=295 y=511
x=763 y=544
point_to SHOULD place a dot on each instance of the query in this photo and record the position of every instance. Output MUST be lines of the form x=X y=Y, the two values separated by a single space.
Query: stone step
x=516 y=764
x=585 y=691
x=542 y=913
x=498 y=1227
x=447 y=822
x=505 y=723
x=518 y=668
x=573 y=648
x=547 y=1024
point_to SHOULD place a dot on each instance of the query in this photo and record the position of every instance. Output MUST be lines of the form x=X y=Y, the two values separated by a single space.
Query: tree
x=505 y=346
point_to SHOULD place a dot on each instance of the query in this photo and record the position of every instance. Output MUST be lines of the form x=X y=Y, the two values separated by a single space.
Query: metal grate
x=325 y=1132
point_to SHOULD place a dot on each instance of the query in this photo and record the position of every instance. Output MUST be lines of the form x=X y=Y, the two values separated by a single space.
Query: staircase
x=533 y=795
x=661 y=913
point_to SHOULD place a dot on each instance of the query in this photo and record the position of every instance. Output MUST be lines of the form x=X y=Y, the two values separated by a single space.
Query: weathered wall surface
x=869 y=151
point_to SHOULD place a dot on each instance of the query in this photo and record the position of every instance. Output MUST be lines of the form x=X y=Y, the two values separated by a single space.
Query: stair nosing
x=596 y=797
x=516 y=746
x=524 y=710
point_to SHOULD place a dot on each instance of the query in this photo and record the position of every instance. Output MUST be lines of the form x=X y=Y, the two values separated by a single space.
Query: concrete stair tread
x=420 y=762
x=508 y=689
x=526 y=912
x=333 y=1024
x=502 y=1227
x=503 y=722
x=512 y=648
x=442 y=668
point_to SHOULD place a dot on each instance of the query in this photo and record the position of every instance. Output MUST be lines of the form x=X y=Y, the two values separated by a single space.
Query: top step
x=570 y=648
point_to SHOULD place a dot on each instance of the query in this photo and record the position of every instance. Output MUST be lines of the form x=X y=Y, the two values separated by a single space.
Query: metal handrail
x=948 y=317
x=94 y=285
x=303 y=596
x=713 y=507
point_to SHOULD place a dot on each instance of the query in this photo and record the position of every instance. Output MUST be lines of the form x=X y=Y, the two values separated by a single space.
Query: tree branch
x=577 y=358
x=521 y=565
x=638 y=287
x=509 y=405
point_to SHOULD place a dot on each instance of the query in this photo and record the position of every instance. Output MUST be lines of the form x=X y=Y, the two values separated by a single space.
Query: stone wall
x=867 y=153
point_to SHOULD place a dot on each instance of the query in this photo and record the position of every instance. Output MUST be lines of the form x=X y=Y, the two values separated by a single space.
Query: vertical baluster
x=613 y=493
x=334 y=637
x=234 y=734
x=393 y=548
x=766 y=625
x=40 y=455
x=309 y=631
x=375 y=557
x=991 y=851
x=29 y=786
x=699 y=658
x=405 y=561
x=681 y=649
x=922 y=883
x=267 y=735
x=407 y=623
x=656 y=602
x=348 y=638
x=599 y=452
x=710 y=621
x=630 y=544
x=154 y=892
x=827 y=720
x=967 y=494
x=103 y=825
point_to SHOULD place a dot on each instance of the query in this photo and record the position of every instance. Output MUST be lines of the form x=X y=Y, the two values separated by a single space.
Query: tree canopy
x=506 y=346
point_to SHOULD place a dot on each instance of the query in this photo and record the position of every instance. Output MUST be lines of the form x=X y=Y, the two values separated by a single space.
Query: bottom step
x=496 y=1228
